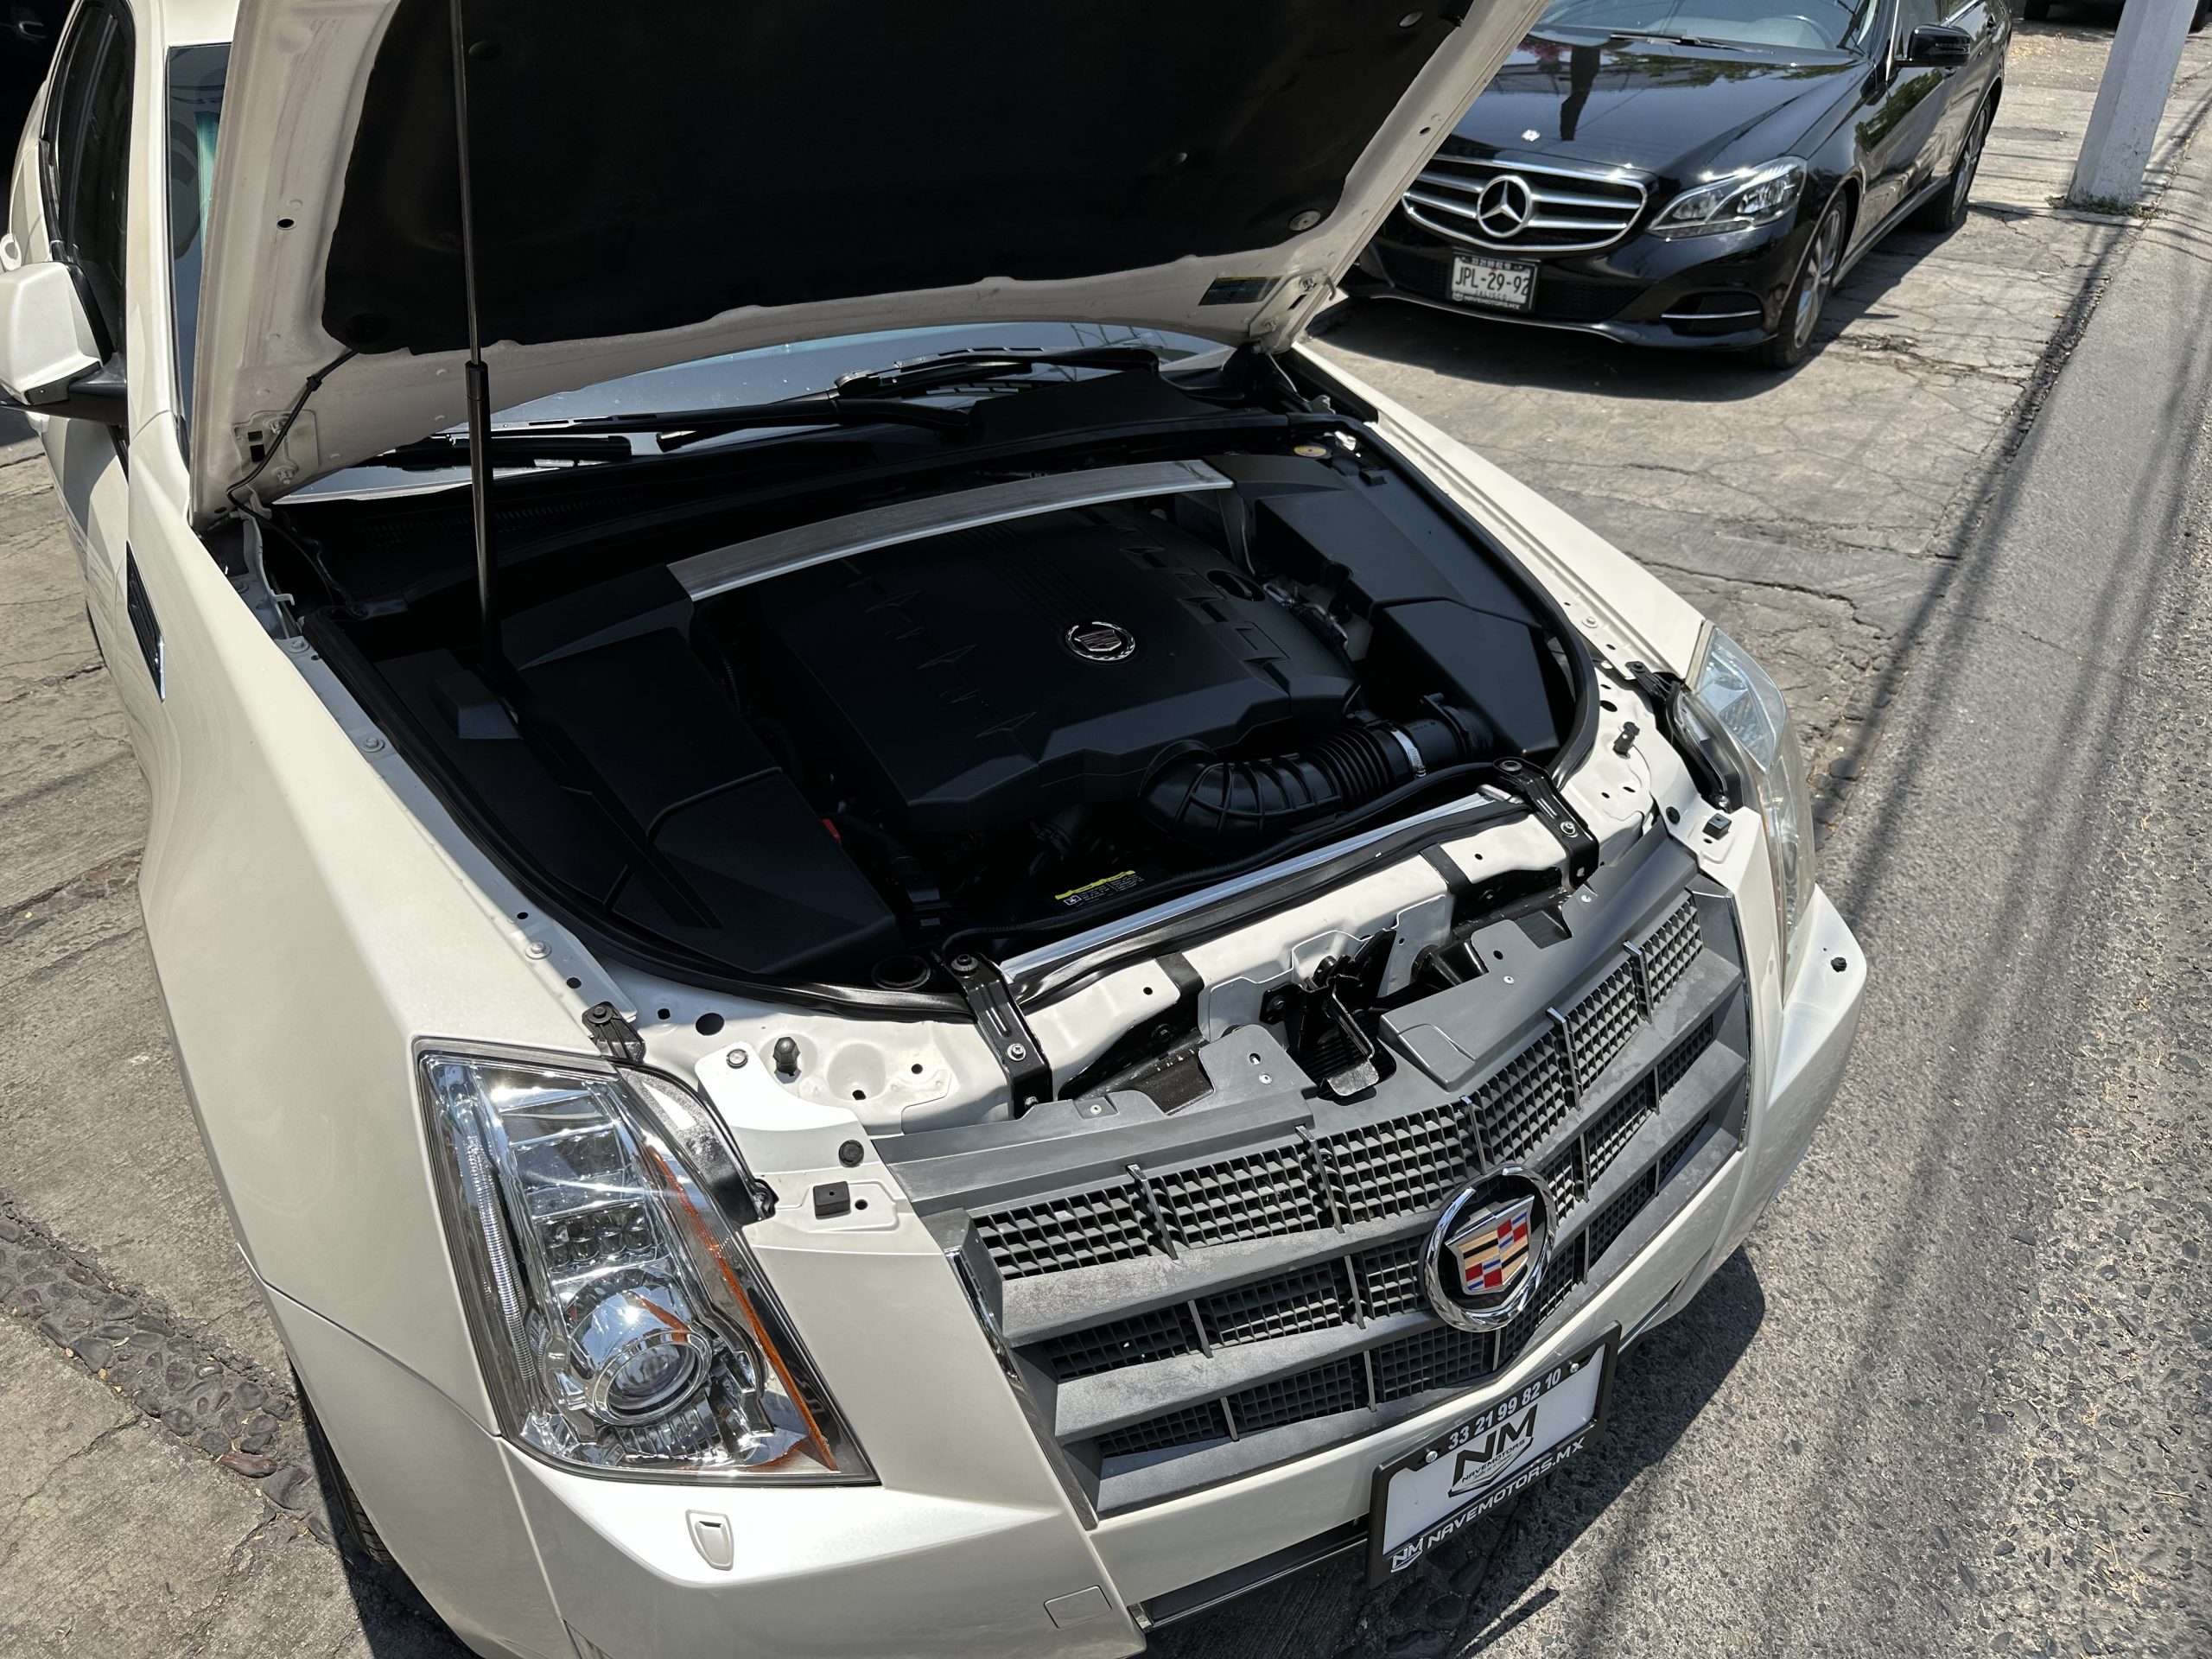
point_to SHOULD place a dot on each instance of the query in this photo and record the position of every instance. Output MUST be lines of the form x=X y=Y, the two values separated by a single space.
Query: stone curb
x=221 y=1404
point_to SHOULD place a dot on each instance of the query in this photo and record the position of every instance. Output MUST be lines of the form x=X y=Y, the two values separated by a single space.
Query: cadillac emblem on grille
x=1486 y=1255
x=1102 y=642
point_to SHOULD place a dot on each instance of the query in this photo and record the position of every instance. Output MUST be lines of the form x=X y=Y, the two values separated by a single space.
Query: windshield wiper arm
x=444 y=449
x=971 y=363
x=1657 y=34
x=677 y=427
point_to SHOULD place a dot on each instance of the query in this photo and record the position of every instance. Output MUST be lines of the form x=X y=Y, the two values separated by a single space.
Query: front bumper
x=1721 y=292
x=971 y=1545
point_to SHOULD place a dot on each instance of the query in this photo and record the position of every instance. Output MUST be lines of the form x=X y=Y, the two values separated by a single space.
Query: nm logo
x=1483 y=1461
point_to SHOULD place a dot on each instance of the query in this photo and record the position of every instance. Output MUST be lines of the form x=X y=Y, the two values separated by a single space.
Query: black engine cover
x=998 y=674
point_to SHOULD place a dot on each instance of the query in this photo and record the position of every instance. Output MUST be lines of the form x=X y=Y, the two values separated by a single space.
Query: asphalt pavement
x=1951 y=1398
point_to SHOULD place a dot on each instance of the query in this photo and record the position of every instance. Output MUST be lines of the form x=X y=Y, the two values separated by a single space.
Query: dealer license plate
x=1505 y=284
x=1439 y=1489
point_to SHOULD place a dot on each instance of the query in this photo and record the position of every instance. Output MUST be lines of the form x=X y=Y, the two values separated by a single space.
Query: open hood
x=664 y=181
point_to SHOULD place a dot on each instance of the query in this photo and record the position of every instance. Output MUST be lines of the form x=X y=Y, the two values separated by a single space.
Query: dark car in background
x=1697 y=173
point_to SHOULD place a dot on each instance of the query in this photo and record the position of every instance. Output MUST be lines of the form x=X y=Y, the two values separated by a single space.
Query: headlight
x=620 y=1319
x=1745 y=707
x=1749 y=196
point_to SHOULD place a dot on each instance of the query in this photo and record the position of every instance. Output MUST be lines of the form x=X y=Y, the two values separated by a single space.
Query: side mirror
x=1937 y=45
x=49 y=362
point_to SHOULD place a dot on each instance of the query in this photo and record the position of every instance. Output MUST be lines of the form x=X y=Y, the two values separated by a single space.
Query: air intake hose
x=1225 y=804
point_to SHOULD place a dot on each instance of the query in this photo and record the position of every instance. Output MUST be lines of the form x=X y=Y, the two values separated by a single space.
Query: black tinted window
x=89 y=159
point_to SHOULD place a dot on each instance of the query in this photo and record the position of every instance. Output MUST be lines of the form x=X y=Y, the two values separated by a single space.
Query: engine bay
x=981 y=718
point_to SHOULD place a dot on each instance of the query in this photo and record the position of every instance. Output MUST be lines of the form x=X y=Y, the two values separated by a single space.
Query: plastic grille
x=1056 y=1234
x=1603 y=1141
x=1671 y=947
x=1388 y=1169
x=1254 y=1196
x=1390 y=1277
x=1605 y=1226
x=1564 y=1176
x=1341 y=1385
x=1674 y=1064
x=1306 y=1300
x=1442 y=1358
x=1558 y=1279
x=1524 y=1103
x=1137 y=1340
x=1600 y=1025
x=1678 y=1155
x=1184 y=1428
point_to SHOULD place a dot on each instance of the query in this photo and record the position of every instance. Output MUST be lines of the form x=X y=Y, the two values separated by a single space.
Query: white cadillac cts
x=951 y=991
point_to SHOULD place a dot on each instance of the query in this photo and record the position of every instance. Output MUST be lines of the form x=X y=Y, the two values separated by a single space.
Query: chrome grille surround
x=1570 y=210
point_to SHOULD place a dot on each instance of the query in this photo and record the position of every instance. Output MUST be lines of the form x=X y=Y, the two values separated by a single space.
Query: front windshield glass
x=1803 y=24
x=772 y=374
x=775 y=373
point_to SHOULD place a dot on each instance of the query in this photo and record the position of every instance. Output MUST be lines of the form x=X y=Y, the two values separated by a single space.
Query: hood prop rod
x=477 y=384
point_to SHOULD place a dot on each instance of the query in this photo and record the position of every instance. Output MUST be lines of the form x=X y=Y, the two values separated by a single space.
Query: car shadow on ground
x=1482 y=1585
x=395 y=1622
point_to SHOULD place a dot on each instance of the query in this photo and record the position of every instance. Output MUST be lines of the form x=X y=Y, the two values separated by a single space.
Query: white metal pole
x=2146 y=52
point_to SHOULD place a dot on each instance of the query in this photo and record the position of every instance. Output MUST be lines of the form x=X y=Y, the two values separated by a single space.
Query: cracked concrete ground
x=117 y=1539
x=1813 y=514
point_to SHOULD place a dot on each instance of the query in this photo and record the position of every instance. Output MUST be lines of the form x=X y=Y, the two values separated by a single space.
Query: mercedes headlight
x=621 y=1323
x=1744 y=708
x=1748 y=197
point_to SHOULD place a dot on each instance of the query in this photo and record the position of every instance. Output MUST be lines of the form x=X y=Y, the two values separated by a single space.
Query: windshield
x=774 y=373
x=1805 y=24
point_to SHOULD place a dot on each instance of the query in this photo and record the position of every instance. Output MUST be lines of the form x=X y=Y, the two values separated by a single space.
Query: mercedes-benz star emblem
x=1486 y=1256
x=1529 y=136
x=1504 y=205
x=1101 y=642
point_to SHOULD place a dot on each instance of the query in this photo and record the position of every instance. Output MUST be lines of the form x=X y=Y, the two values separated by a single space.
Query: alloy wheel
x=1962 y=176
x=1820 y=262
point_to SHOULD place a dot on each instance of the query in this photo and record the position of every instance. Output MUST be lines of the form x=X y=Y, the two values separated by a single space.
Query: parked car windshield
x=1800 y=24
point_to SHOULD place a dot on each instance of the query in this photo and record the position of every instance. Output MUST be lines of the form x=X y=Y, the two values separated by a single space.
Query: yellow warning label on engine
x=1104 y=887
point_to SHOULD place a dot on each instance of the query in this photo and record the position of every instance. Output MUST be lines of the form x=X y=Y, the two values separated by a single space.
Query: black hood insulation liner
x=691 y=157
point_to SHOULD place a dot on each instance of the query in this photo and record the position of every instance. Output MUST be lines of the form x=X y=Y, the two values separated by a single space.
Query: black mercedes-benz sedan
x=1697 y=173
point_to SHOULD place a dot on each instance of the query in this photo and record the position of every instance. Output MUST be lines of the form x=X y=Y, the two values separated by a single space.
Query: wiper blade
x=677 y=428
x=446 y=450
x=1670 y=40
x=971 y=364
